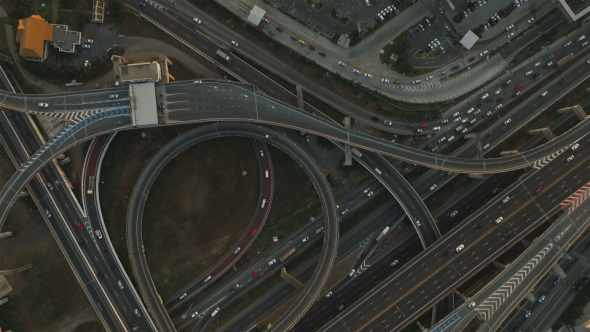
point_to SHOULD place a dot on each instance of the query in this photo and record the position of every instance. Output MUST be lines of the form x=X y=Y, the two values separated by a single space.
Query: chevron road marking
x=572 y=202
x=487 y=308
x=542 y=162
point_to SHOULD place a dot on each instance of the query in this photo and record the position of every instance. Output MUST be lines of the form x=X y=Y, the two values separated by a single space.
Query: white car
x=329 y=294
x=510 y=27
x=511 y=35
x=197 y=82
x=499 y=220
x=344 y=212
x=507 y=121
x=89 y=41
x=194 y=314
x=351 y=273
x=456 y=114
x=305 y=239
x=87 y=63
x=342 y=63
x=575 y=146
x=387 y=122
x=367 y=75
x=464 y=120
x=429 y=78
x=196 y=20
x=182 y=296
x=113 y=96
x=454 y=213
x=567 y=44
x=433 y=187
x=136 y=312
x=47 y=213
x=272 y=262
x=85 y=46
x=234 y=43
x=570 y=158
x=506 y=199
x=356 y=71
x=531 y=20
x=237 y=250
x=498 y=107
x=384 y=81
x=537 y=64
x=528 y=314
x=369 y=194
x=528 y=73
x=544 y=94
x=43 y=105
x=366 y=190
x=457 y=119
x=394 y=263
x=485 y=96
x=459 y=248
x=498 y=92
x=542 y=298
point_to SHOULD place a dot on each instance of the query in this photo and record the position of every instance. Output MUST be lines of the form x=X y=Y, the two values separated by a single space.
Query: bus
x=383 y=233
x=287 y=255
x=90 y=190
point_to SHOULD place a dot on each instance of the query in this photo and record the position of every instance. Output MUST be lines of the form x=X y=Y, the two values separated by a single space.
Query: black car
x=489 y=133
x=411 y=126
x=376 y=119
x=479 y=104
x=280 y=28
x=101 y=276
x=563 y=80
x=321 y=53
x=82 y=243
x=535 y=75
x=500 y=99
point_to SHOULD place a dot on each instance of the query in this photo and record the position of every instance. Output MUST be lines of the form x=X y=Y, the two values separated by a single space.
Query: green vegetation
x=354 y=35
x=398 y=46
x=340 y=19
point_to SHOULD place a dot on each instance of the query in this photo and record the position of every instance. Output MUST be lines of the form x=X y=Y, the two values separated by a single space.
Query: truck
x=564 y=60
x=223 y=55
x=287 y=254
x=356 y=152
x=383 y=233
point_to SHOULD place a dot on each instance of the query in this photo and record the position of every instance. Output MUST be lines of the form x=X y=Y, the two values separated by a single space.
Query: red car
x=254 y=232
x=516 y=88
x=257 y=272
x=424 y=125
x=80 y=225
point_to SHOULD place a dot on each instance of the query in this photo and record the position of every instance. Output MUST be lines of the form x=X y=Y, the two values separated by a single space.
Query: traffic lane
x=250 y=234
x=530 y=210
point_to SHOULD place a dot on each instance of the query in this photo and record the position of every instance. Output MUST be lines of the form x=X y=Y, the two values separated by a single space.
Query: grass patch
x=340 y=19
x=398 y=46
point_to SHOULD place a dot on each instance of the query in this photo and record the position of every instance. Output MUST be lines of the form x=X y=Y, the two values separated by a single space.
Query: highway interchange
x=105 y=114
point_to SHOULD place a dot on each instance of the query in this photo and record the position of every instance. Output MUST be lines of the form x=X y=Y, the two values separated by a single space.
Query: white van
x=215 y=312
x=417 y=82
x=207 y=279
x=473 y=121
x=263 y=203
x=435 y=128
x=266 y=173
x=451 y=138
x=378 y=171
x=582 y=37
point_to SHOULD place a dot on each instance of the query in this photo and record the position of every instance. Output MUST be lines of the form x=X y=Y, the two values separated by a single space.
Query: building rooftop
x=32 y=33
x=256 y=15
x=469 y=39
x=65 y=40
x=141 y=72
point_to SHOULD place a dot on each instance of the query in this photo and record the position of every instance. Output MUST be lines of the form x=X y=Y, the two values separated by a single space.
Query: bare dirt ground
x=198 y=208
x=40 y=293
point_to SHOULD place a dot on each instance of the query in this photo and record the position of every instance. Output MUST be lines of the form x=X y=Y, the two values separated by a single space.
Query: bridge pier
x=577 y=109
x=549 y=135
x=563 y=251
x=300 y=102
x=347 y=149
x=290 y=279
x=509 y=153
x=559 y=271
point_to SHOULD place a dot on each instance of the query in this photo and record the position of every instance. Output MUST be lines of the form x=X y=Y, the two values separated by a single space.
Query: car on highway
x=511 y=35
x=549 y=64
x=457 y=119
x=527 y=314
x=528 y=73
x=351 y=273
x=506 y=199
x=456 y=114
x=80 y=225
x=194 y=314
x=369 y=194
x=136 y=312
x=567 y=44
x=531 y=20
x=485 y=96
x=464 y=120
x=328 y=294
x=584 y=44
x=418 y=130
x=469 y=111
x=356 y=71
x=344 y=212
x=305 y=239
x=207 y=279
x=563 y=80
x=510 y=27
x=183 y=296
x=570 y=158
x=498 y=107
x=444 y=121
x=261 y=153
x=575 y=146
x=424 y=125
x=550 y=57
x=237 y=250
x=385 y=81
x=113 y=96
x=537 y=64
x=460 y=247
x=394 y=263
x=507 y=82
x=428 y=78
x=516 y=88
x=544 y=93
x=89 y=41
x=454 y=213
x=387 y=122
x=542 y=298
x=43 y=105
x=557 y=281
x=253 y=232
x=256 y=273
x=433 y=187
x=342 y=64
x=498 y=92
x=85 y=46
x=47 y=213
x=302 y=42
x=538 y=189
x=367 y=75
x=499 y=220
x=366 y=190
x=142 y=5
x=120 y=283
x=197 y=82
x=234 y=43
x=272 y=261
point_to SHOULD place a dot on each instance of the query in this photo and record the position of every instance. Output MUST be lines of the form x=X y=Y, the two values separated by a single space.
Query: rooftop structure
x=256 y=15
x=34 y=33
x=98 y=11
x=573 y=10
x=469 y=39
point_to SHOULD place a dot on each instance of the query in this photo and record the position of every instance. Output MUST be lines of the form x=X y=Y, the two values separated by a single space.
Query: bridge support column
x=531 y=297
x=300 y=102
x=499 y=265
x=526 y=243
x=577 y=109
x=463 y=297
x=422 y=328
x=290 y=279
x=546 y=131
x=5 y=234
x=509 y=153
x=563 y=251
x=347 y=156
x=559 y=271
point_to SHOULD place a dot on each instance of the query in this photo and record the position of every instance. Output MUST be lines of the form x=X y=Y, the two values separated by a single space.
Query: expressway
x=247 y=239
x=212 y=131
x=445 y=266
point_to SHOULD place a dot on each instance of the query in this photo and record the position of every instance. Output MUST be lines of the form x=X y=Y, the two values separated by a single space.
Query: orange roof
x=31 y=33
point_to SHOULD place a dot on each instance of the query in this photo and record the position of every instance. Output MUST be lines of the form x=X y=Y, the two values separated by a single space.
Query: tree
x=115 y=11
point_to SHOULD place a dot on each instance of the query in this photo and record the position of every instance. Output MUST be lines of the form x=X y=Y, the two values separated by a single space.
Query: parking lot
x=422 y=37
